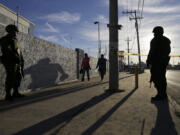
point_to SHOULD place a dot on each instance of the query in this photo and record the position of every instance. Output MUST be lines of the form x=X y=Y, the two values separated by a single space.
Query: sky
x=70 y=23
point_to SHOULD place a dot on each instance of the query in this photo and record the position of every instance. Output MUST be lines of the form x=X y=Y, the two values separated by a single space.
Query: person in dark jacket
x=13 y=61
x=85 y=66
x=158 y=59
x=101 y=65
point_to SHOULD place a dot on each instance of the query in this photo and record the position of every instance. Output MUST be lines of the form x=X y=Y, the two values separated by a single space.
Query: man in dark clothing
x=85 y=66
x=12 y=59
x=102 y=66
x=158 y=59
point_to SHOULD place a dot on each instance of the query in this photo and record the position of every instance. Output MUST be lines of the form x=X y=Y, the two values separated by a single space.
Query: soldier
x=158 y=59
x=12 y=59
x=101 y=65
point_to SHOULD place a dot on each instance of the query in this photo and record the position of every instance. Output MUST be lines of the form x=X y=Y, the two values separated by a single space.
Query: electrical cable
x=139 y=1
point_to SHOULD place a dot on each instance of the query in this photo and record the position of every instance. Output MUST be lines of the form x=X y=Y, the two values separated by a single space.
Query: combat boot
x=18 y=95
x=8 y=97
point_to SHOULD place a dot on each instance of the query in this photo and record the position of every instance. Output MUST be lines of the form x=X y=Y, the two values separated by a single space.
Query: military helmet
x=158 y=30
x=11 y=28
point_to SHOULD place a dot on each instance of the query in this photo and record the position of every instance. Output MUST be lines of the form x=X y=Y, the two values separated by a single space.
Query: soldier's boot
x=8 y=96
x=159 y=93
x=16 y=94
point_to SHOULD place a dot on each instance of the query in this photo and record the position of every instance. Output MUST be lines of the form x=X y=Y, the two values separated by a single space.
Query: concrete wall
x=46 y=63
x=7 y=16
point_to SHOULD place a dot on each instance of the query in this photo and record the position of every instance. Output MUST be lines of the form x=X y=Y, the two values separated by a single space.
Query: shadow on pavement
x=164 y=123
x=142 y=128
x=98 y=123
x=46 y=95
x=64 y=117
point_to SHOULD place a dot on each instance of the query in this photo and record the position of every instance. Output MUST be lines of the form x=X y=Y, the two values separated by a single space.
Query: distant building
x=8 y=16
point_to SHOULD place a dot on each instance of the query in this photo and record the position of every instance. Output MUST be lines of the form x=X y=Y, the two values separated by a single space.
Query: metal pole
x=128 y=52
x=17 y=15
x=99 y=42
x=136 y=77
x=113 y=46
x=136 y=26
x=137 y=31
x=128 y=48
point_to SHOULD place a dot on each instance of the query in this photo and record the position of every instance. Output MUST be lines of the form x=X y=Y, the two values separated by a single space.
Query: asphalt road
x=173 y=80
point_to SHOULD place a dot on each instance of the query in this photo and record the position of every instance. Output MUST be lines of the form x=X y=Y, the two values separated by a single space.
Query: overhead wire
x=139 y=1
x=133 y=37
x=141 y=12
x=142 y=8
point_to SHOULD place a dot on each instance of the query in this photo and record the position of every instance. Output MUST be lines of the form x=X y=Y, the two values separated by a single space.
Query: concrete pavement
x=174 y=88
x=86 y=108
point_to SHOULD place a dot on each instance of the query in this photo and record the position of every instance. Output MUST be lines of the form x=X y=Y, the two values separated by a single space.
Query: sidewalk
x=85 y=108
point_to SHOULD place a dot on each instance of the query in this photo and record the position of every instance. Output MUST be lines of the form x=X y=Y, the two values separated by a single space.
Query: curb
x=175 y=105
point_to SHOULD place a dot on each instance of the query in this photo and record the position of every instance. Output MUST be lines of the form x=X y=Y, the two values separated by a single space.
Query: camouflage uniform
x=12 y=59
x=158 y=58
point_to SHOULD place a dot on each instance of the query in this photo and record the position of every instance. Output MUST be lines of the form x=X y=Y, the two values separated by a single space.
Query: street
x=173 y=84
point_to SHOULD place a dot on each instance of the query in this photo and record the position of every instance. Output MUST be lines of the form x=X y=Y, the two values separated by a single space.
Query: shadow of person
x=164 y=123
x=63 y=118
x=45 y=74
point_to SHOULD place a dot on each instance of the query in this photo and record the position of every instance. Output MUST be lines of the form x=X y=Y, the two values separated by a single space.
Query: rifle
x=22 y=71
x=150 y=81
x=0 y=59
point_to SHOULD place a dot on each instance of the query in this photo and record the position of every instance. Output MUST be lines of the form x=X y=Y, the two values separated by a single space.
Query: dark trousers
x=83 y=74
x=13 y=78
x=158 y=76
x=102 y=73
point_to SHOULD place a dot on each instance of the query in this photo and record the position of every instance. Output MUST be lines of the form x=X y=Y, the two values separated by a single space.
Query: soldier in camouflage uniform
x=12 y=59
x=158 y=59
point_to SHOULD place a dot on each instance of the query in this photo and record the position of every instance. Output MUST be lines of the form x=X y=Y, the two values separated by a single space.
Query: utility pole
x=128 y=48
x=113 y=45
x=17 y=15
x=99 y=41
x=137 y=31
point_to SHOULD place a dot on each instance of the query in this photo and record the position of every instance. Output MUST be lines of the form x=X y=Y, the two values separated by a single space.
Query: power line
x=139 y=1
x=136 y=18
x=142 y=8
x=141 y=12
x=133 y=41
x=128 y=40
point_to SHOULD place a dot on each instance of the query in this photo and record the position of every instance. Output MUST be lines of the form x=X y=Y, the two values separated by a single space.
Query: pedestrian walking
x=158 y=59
x=13 y=61
x=101 y=65
x=85 y=66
